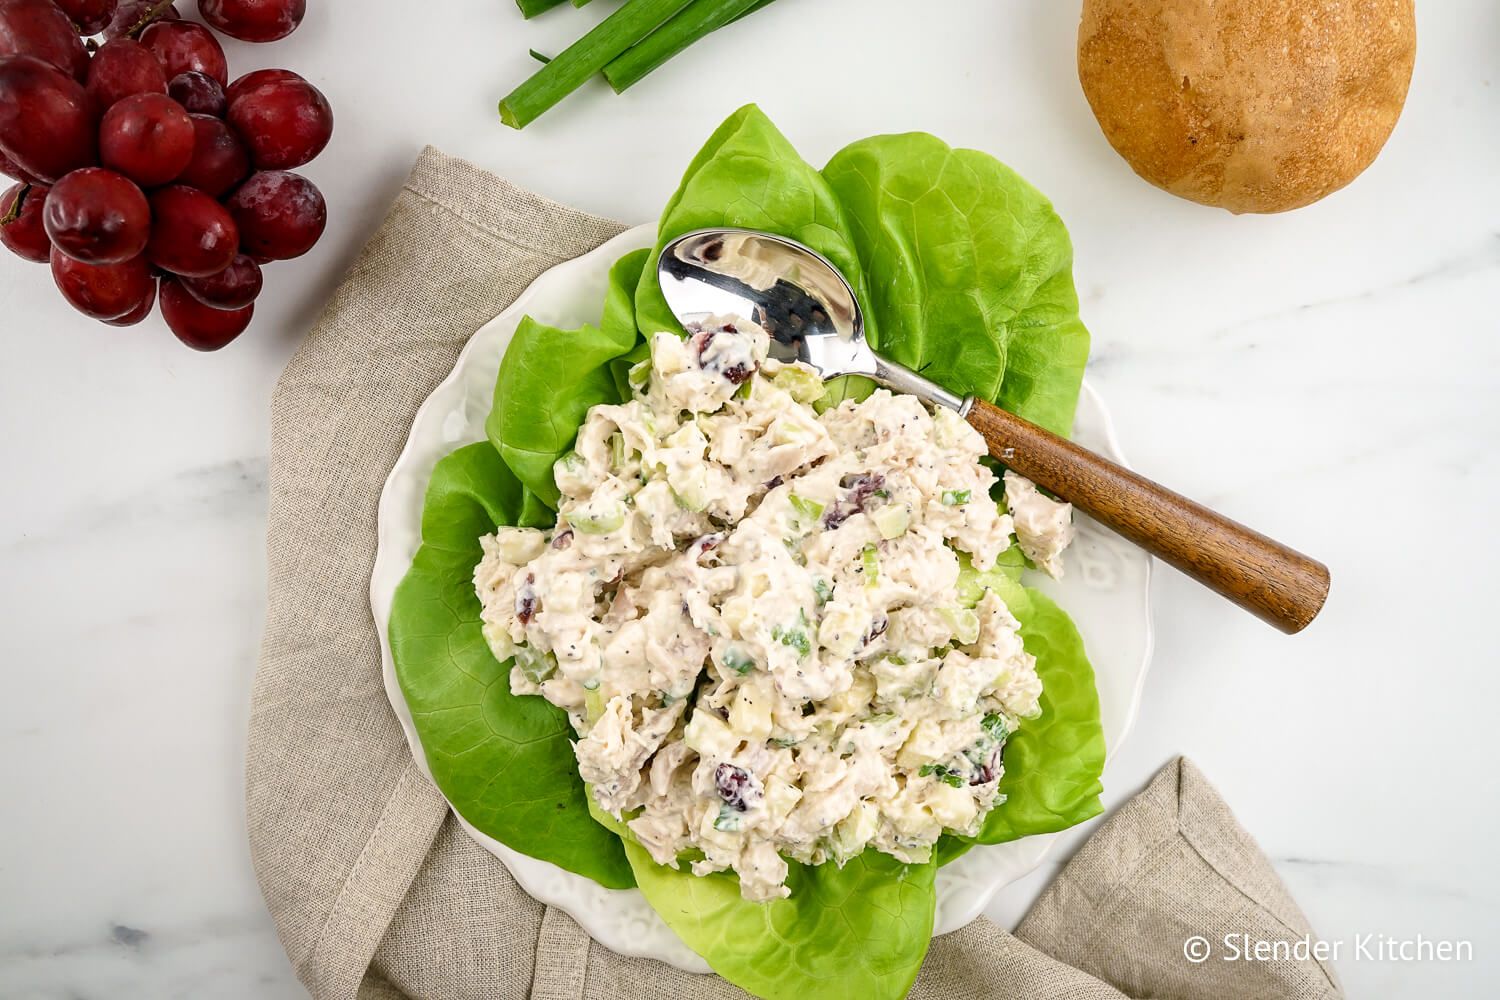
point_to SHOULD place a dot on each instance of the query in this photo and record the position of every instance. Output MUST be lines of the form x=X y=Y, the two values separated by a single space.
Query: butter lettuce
x=505 y=762
x=857 y=931
x=965 y=273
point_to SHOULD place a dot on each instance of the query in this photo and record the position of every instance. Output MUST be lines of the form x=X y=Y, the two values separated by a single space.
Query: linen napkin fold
x=376 y=891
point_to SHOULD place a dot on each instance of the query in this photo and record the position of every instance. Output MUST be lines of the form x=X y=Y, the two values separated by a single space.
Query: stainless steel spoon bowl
x=795 y=293
x=814 y=316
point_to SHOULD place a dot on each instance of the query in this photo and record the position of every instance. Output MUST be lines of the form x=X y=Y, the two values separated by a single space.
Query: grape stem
x=149 y=18
x=15 y=210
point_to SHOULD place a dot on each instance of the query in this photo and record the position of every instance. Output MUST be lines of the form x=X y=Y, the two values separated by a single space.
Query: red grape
x=280 y=215
x=89 y=16
x=8 y=168
x=183 y=46
x=257 y=78
x=103 y=291
x=25 y=235
x=191 y=234
x=140 y=312
x=201 y=327
x=254 y=20
x=235 y=287
x=285 y=121
x=47 y=125
x=129 y=14
x=123 y=68
x=37 y=28
x=98 y=217
x=220 y=160
x=148 y=138
x=199 y=93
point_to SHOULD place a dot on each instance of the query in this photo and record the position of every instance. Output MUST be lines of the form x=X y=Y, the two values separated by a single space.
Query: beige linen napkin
x=377 y=892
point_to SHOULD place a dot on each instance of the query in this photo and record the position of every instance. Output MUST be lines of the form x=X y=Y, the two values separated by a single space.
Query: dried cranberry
x=777 y=481
x=737 y=787
x=563 y=540
x=863 y=488
x=985 y=773
x=705 y=544
x=701 y=340
x=526 y=600
x=738 y=374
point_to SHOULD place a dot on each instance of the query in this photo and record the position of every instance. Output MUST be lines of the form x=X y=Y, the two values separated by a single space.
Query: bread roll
x=1250 y=105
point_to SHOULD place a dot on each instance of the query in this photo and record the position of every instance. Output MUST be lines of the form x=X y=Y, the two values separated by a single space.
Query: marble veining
x=1329 y=376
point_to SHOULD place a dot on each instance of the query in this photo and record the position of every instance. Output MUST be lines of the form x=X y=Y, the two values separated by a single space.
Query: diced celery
x=964 y=623
x=640 y=375
x=593 y=706
x=617 y=451
x=799 y=383
x=955 y=498
x=807 y=510
x=691 y=489
x=537 y=666
x=597 y=523
x=891 y=520
x=869 y=560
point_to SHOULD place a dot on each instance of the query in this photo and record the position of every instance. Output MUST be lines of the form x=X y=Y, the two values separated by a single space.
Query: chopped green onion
x=795 y=638
x=701 y=18
x=943 y=773
x=738 y=660
x=823 y=589
x=995 y=727
x=634 y=21
x=531 y=8
x=729 y=819
x=954 y=498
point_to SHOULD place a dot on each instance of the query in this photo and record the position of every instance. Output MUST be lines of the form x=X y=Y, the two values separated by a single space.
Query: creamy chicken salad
x=751 y=613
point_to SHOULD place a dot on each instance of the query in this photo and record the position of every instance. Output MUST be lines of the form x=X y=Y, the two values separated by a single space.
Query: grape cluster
x=143 y=174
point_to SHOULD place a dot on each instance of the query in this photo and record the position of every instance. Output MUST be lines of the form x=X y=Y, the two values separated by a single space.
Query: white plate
x=1106 y=590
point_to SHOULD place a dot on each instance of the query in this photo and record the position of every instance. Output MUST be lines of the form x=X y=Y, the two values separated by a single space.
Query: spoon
x=812 y=315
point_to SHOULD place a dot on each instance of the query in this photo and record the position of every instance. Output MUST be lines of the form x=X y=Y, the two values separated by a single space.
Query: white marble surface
x=1331 y=376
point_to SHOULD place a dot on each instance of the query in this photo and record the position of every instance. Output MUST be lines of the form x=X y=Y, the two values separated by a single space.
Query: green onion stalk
x=634 y=21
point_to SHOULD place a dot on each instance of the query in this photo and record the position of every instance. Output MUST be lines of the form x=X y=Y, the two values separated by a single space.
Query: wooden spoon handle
x=1279 y=584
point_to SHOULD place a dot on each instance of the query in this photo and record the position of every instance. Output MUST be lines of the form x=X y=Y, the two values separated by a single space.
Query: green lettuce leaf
x=969 y=273
x=550 y=377
x=857 y=931
x=505 y=762
x=964 y=269
x=1052 y=762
